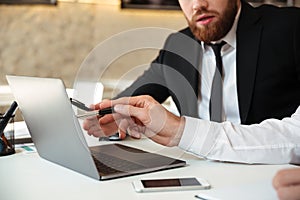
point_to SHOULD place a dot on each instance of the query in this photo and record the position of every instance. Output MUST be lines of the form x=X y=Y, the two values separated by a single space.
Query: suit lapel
x=248 y=41
x=192 y=75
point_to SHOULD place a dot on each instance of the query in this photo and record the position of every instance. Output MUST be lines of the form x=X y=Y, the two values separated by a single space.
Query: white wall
x=53 y=41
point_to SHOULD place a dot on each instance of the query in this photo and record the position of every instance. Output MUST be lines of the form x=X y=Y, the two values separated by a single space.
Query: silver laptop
x=58 y=137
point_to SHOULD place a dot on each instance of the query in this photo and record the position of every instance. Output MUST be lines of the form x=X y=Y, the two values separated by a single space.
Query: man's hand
x=287 y=184
x=102 y=126
x=144 y=115
x=138 y=115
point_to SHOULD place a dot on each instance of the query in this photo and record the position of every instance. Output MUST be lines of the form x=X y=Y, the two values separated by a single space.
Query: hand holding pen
x=89 y=111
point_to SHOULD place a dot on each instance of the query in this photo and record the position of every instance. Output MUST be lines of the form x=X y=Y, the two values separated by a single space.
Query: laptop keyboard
x=107 y=164
x=116 y=160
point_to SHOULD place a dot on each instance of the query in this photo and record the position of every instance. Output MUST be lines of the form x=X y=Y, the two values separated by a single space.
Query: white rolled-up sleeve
x=270 y=142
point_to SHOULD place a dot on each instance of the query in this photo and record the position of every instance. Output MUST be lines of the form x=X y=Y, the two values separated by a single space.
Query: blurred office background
x=53 y=40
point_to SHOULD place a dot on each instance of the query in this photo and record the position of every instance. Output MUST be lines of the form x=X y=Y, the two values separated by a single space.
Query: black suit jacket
x=268 y=66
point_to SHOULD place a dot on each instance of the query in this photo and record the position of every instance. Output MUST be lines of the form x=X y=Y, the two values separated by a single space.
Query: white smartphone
x=153 y=185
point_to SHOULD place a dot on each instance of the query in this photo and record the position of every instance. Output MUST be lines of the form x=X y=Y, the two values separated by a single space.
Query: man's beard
x=214 y=31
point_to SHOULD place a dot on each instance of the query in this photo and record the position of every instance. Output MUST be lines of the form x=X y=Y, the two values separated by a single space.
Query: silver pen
x=90 y=112
x=100 y=113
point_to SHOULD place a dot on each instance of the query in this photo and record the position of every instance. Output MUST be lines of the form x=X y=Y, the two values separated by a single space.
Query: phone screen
x=170 y=182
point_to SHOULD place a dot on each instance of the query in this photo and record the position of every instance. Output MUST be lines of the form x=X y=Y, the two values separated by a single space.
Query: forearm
x=272 y=141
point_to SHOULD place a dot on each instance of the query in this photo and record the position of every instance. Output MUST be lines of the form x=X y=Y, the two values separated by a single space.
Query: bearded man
x=258 y=62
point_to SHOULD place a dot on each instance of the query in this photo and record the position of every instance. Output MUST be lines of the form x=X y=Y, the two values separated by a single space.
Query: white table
x=27 y=176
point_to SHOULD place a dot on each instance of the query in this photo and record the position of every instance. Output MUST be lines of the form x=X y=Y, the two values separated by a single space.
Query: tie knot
x=217 y=46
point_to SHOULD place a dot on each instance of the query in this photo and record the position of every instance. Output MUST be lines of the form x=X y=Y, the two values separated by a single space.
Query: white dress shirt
x=207 y=70
x=272 y=141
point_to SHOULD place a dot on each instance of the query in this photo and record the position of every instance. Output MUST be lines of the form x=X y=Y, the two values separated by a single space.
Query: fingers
x=137 y=101
x=290 y=192
x=287 y=177
x=131 y=111
x=134 y=114
x=122 y=134
x=123 y=125
x=109 y=118
x=96 y=129
x=109 y=124
x=104 y=104
x=133 y=129
x=91 y=125
x=89 y=122
x=287 y=183
x=138 y=107
x=160 y=125
x=93 y=107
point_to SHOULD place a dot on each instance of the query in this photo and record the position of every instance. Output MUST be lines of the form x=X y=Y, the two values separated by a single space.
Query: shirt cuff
x=199 y=136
